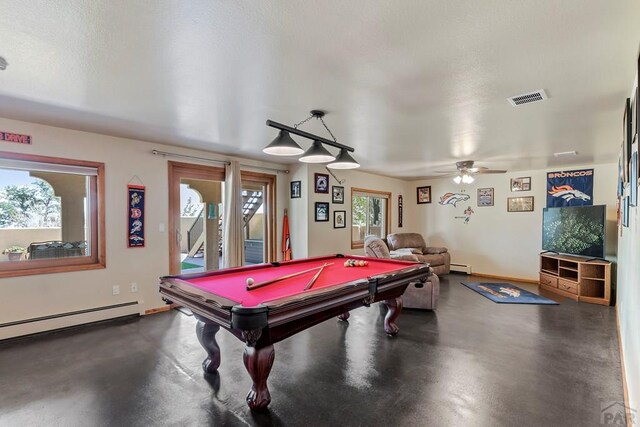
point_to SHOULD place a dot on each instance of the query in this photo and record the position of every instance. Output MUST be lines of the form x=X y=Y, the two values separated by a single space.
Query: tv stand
x=549 y=252
x=581 y=279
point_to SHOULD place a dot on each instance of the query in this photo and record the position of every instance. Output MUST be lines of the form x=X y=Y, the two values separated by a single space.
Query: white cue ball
x=250 y=281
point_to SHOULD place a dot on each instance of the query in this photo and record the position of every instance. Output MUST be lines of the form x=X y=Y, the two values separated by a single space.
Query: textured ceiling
x=413 y=86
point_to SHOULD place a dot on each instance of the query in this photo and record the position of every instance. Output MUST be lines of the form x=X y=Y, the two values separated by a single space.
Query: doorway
x=196 y=223
x=196 y=195
x=258 y=212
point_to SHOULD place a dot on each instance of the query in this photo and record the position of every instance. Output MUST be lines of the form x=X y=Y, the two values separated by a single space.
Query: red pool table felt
x=232 y=284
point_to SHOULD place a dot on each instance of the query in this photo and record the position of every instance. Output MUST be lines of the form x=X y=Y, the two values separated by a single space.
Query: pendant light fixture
x=284 y=145
x=317 y=154
x=344 y=161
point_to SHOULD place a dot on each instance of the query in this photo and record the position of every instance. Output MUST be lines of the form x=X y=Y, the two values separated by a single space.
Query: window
x=51 y=215
x=369 y=215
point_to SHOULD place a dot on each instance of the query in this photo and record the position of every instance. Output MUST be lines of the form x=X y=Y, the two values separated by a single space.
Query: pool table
x=263 y=316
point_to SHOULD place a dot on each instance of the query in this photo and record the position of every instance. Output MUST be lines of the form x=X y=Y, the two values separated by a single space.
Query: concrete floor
x=471 y=363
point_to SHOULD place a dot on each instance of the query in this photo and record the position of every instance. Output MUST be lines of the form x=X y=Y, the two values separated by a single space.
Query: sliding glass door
x=258 y=213
x=195 y=219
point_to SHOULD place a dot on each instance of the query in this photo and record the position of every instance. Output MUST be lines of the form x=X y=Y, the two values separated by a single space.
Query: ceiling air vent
x=526 y=98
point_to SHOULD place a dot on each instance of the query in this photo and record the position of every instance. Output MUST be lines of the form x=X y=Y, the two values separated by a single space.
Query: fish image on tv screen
x=578 y=230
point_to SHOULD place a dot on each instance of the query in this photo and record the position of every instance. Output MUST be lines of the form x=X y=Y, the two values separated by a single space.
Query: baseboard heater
x=70 y=313
x=462 y=268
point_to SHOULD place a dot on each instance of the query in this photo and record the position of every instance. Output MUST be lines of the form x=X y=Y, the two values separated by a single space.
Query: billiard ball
x=250 y=281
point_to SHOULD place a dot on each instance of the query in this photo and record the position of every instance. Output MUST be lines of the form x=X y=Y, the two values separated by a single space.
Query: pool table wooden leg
x=395 y=307
x=258 y=362
x=344 y=316
x=206 y=333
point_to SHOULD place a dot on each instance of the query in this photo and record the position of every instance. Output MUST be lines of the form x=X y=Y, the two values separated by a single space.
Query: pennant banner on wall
x=570 y=188
x=135 y=214
x=286 y=241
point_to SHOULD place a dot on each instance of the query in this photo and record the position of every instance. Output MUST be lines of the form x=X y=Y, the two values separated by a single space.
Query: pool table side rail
x=196 y=293
x=198 y=306
x=224 y=271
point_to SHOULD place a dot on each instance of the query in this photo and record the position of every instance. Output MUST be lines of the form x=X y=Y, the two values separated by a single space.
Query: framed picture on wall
x=423 y=194
x=633 y=119
x=520 y=204
x=626 y=139
x=485 y=196
x=521 y=184
x=322 y=212
x=633 y=173
x=337 y=194
x=339 y=219
x=296 y=189
x=321 y=183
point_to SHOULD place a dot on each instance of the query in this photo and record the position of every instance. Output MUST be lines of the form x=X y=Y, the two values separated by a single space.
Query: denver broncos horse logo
x=568 y=193
x=453 y=198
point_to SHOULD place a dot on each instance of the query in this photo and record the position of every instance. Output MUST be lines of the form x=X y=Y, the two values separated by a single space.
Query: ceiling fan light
x=317 y=154
x=467 y=179
x=344 y=161
x=283 y=145
x=457 y=179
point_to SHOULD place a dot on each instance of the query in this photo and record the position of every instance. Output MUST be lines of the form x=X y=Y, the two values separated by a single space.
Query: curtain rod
x=224 y=162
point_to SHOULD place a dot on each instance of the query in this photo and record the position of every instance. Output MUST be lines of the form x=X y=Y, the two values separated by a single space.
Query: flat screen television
x=575 y=230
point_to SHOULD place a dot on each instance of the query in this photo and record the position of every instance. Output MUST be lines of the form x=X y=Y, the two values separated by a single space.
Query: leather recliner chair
x=418 y=295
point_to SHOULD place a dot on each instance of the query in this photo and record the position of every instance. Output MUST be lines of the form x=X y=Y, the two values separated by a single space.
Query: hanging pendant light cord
x=321 y=120
x=328 y=130
x=303 y=122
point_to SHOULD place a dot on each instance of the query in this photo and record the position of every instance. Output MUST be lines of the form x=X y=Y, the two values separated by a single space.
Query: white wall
x=322 y=237
x=298 y=214
x=628 y=297
x=497 y=242
x=41 y=295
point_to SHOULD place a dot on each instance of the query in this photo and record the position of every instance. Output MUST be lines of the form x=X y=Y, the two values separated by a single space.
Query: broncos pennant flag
x=286 y=241
x=570 y=188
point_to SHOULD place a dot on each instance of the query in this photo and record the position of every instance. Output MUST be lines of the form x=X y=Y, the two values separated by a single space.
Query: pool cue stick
x=310 y=284
x=288 y=276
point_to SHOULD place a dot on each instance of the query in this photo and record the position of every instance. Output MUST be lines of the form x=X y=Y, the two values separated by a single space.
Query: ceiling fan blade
x=491 y=171
x=447 y=174
x=476 y=169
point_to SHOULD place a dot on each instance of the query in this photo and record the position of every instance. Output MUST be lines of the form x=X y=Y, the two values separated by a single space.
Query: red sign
x=15 y=137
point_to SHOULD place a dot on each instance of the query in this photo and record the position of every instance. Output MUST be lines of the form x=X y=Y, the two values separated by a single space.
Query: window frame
x=97 y=259
x=359 y=244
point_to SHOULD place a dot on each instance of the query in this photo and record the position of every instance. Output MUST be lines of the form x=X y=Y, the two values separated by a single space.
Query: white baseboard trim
x=462 y=268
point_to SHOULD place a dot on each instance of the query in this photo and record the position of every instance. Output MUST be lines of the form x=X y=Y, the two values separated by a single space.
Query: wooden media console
x=576 y=278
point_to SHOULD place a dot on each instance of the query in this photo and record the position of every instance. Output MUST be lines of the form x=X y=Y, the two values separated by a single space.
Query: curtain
x=233 y=243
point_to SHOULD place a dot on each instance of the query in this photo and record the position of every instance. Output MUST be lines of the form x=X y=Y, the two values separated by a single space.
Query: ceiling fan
x=466 y=170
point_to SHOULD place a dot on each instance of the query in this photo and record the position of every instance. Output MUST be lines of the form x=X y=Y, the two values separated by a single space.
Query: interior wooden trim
x=625 y=390
x=514 y=279
x=48 y=159
x=388 y=195
x=98 y=259
x=269 y=181
x=162 y=309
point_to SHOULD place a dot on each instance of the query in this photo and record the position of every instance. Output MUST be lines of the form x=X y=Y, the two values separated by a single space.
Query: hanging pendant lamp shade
x=317 y=154
x=283 y=145
x=344 y=161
